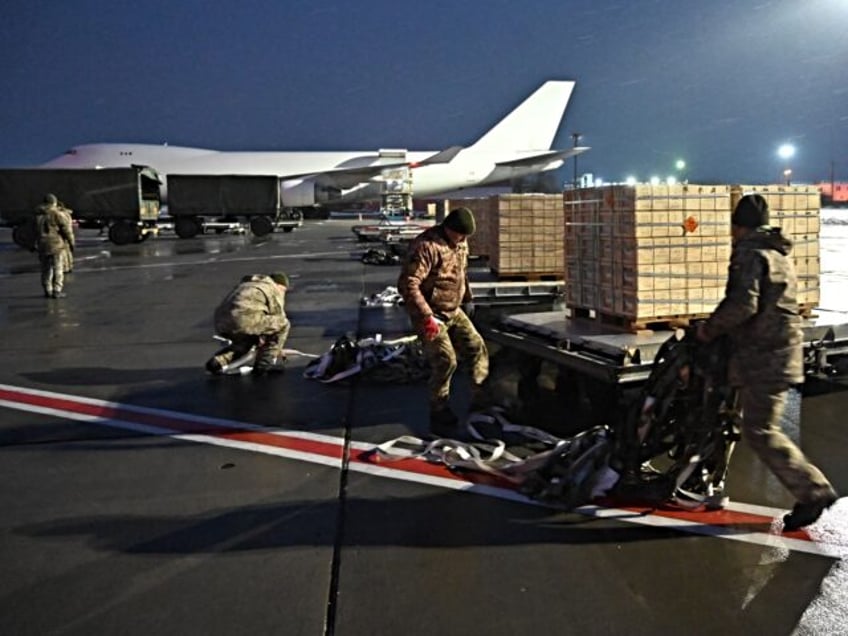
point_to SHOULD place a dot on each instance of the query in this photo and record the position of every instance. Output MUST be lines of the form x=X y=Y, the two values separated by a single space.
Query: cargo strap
x=244 y=364
x=389 y=297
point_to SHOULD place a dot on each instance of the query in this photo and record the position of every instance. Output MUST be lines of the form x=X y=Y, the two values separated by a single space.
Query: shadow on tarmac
x=394 y=522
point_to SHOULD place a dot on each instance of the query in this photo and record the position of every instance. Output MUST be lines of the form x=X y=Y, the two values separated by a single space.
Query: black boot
x=268 y=358
x=803 y=514
x=481 y=400
x=443 y=422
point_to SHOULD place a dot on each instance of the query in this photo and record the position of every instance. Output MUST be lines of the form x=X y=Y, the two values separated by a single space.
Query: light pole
x=575 y=137
x=681 y=167
x=786 y=152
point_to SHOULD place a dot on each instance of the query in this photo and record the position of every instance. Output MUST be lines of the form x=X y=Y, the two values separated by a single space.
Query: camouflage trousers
x=52 y=272
x=763 y=407
x=269 y=345
x=457 y=341
x=68 y=265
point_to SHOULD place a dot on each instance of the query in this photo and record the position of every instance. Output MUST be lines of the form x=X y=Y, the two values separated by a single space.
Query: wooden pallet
x=625 y=323
x=530 y=277
x=806 y=310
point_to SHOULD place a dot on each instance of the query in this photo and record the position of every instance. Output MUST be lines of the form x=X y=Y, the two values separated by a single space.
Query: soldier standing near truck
x=54 y=235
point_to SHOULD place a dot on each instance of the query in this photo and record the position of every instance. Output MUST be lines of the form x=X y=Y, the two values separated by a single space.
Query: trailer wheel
x=261 y=225
x=123 y=233
x=24 y=236
x=186 y=227
x=295 y=215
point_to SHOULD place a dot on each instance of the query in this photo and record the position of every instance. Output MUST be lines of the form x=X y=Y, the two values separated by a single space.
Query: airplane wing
x=444 y=156
x=543 y=157
x=350 y=177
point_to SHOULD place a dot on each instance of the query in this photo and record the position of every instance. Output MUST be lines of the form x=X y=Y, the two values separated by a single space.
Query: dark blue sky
x=719 y=83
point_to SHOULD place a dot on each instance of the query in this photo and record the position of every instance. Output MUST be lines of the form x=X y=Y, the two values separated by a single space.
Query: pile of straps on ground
x=567 y=472
x=399 y=361
x=376 y=256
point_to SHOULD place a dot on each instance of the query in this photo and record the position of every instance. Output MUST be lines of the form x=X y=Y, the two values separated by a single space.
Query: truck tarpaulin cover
x=222 y=195
x=91 y=194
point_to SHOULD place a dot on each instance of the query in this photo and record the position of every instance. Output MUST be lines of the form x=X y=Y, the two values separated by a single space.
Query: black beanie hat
x=751 y=211
x=280 y=278
x=461 y=220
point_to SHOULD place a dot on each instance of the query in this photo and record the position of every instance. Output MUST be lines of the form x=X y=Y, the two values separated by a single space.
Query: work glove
x=469 y=308
x=430 y=328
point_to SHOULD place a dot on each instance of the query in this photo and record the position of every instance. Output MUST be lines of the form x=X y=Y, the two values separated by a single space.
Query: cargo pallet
x=634 y=325
x=527 y=276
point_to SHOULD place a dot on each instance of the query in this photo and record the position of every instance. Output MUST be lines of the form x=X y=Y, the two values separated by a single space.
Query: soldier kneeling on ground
x=253 y=315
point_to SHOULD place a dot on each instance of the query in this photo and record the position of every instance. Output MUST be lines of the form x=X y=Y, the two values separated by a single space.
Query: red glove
x=430 y=328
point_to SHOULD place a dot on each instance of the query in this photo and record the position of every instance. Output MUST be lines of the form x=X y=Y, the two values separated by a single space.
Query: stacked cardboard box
x=642 y=254
x=797 y=211
x=521 y=234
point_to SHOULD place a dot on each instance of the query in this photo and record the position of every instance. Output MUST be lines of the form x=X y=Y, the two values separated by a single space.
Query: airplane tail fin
x=533 y=124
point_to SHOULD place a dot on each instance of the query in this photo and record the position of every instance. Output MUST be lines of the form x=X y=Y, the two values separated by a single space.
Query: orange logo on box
x=690 y=224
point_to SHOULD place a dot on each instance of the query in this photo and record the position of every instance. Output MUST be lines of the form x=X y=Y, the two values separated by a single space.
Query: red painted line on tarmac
x=182 y=424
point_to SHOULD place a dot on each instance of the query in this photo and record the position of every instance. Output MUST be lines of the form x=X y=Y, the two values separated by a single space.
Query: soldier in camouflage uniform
x=253 y=315
x=434 y=285
x=54 y=235
x=760 y=315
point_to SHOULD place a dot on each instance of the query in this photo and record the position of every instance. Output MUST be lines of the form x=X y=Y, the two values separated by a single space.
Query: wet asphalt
x=128 y=509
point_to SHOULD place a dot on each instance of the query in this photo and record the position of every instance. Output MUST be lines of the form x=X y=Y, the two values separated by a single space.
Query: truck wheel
x=123 y=233
x=288 y=229
x=186 y=227
x=261 y=226
x=24 y=236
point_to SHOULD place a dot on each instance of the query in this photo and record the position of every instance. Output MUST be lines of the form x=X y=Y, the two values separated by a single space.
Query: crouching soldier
x=54 y=236
x=253 y=315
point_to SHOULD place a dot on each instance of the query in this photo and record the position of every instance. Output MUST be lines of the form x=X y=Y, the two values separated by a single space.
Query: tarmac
x=143 y=496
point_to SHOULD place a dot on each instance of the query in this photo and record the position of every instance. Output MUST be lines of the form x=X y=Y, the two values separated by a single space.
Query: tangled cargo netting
x=389 y=297
x=398 y=361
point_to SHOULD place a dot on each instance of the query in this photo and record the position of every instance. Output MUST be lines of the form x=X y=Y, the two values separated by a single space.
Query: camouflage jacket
x=256 y=306
x=760 y=312
x=434 y=276
x=53 y=230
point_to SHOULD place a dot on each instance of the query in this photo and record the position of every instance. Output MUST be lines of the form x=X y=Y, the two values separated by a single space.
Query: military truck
x=197 y=203
x=124 y=200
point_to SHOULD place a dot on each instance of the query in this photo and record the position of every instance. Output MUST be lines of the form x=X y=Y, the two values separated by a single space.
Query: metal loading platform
x=589 y=348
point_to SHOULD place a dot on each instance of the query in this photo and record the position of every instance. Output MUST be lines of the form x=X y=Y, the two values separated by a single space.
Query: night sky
x=720 y=84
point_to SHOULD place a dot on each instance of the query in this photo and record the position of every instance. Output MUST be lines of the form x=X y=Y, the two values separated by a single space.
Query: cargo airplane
x=517 y=146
